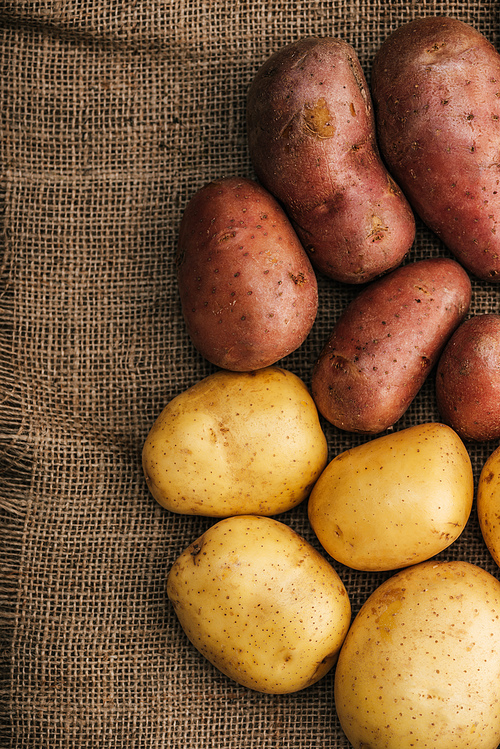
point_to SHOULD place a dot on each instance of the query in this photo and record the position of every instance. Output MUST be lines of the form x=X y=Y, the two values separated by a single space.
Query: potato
x=394 y=501
x=420 y=665
x=311 y=136
x=386 y=342
x=236 y=443
x=248 y=293
x=261 y=604
x=468 y=379
x=488 y=504
x=436 y=90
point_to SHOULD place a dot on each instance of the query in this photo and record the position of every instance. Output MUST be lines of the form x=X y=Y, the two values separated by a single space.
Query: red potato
x=311 y=136
x=386 y=342
x=436 y=89
x=248 y=292
x=468 y=379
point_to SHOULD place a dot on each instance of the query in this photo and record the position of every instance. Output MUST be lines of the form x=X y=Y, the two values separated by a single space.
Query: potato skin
x=261 y=604
x=248 y=292
x=468 y=379
x=395 y=500
x=236 y=443
x=386 y=342
x=436 y=90
x=488 y=504
x=311 y=136
x=419 y=666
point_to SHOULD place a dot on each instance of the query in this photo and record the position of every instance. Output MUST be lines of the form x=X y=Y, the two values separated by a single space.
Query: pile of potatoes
x=342 y=171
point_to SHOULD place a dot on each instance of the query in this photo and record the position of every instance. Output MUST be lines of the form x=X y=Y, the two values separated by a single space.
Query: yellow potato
x=260 y=603
x=394 y=501
x=488 y=504
x=420 y=666
x=236 y=443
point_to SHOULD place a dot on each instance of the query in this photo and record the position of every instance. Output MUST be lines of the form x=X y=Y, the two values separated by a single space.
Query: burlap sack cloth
x=112 y=115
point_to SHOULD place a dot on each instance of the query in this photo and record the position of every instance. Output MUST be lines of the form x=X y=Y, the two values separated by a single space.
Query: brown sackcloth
x=112 y=115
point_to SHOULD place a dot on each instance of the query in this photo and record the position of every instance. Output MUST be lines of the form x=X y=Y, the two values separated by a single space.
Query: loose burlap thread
x=113 y=115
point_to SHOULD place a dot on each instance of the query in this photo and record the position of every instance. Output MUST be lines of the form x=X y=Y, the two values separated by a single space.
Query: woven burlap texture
x=113 y=115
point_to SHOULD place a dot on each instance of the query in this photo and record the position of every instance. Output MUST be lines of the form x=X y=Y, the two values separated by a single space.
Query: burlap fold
x=112 y=115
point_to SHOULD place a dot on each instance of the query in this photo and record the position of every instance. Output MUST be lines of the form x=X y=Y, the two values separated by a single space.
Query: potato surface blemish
x=318 y=120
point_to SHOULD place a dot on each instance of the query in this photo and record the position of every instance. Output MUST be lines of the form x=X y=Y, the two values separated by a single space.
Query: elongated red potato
x=311 y=136
x=248 y=291
x=436 y=89
x=386 y=342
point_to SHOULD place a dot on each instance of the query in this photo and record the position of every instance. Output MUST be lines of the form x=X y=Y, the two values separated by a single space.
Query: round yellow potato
x=420 y=666
x=397 y=500
x=260 y=603
x=488 y=504
x=236 y=443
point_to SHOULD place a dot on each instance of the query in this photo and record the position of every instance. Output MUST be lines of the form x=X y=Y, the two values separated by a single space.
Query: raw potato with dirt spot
x=311 y=136
x=436 y=90
x=248 y=292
